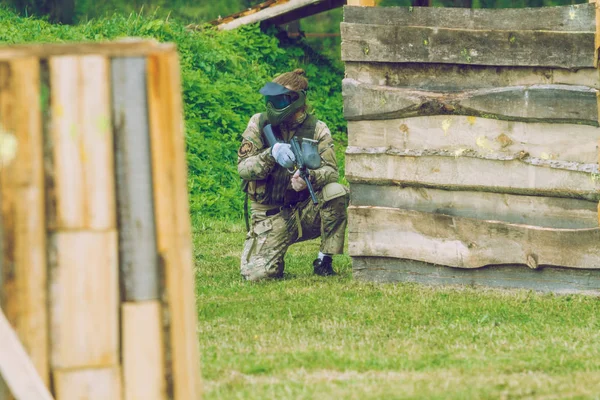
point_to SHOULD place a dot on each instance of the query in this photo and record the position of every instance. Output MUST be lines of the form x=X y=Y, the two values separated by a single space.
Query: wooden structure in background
x=277 y=12
x=473 y=145
x=96 y=265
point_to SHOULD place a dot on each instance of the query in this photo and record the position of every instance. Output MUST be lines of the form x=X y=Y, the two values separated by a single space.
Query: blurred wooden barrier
x=473 y=145
x=96 y=268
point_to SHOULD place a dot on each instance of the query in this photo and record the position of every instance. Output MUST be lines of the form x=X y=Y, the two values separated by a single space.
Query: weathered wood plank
x=549 y=212
x=466 y=242
x=84 y=300
x=172 y=221
x=574 y=18
x=143 y=340
x=380 y=43
x=544 y=279
x=17 y=368
x=22 y=211
x=472 y=171
x=565 y=142
x=137 y=238
x=455 y=77
x=83 y=175
x=88 y=384
x=537 y=103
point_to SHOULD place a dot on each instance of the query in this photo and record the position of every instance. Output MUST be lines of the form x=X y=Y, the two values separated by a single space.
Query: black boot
x=323 y=267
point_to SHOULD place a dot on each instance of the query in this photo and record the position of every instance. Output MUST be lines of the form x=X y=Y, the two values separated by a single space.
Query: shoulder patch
x=246 y=148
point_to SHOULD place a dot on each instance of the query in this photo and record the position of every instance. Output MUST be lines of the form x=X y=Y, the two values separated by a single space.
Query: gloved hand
x=282 y=153
x=298 y=184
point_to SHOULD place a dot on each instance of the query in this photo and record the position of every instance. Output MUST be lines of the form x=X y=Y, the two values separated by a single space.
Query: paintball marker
x=307 y=157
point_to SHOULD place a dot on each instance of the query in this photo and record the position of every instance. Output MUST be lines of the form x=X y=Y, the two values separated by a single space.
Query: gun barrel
x=297 y=153
x=306 y=176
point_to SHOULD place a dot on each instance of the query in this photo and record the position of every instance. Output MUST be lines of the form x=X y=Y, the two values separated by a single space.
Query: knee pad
x=333 y=191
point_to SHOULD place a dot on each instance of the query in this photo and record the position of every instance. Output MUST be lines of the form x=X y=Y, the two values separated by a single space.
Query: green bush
x=221 y=72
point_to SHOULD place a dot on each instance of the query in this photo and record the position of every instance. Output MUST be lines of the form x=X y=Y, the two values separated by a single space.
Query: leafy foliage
x=222 y=73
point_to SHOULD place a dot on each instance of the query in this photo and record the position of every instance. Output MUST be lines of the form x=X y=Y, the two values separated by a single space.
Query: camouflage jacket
x=267 y=182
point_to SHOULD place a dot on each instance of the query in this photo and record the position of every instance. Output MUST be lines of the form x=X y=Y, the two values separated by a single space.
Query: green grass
x=308 y=337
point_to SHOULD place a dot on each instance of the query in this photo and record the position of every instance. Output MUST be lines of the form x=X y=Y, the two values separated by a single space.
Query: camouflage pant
x=270 y=236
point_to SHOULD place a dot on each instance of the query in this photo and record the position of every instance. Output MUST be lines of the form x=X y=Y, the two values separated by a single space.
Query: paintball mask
x=281 y=102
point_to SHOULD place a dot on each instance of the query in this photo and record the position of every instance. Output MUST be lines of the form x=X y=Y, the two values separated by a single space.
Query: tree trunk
x=63 y=11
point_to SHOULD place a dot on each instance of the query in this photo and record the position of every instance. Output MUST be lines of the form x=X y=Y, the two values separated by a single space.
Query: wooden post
x=23 y=291
x=172 y=221
x=597 y=38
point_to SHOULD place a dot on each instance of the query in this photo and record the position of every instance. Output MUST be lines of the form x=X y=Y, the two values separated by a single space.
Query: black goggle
x=281 y=101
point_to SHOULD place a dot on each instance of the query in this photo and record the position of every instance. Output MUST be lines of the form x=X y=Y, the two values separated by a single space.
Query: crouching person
x=282 y=212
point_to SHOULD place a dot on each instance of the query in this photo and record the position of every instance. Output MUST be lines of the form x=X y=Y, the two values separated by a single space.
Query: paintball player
x=282 y=211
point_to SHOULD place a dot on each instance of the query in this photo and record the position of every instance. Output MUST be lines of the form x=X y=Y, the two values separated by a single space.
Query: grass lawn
x=308 y=337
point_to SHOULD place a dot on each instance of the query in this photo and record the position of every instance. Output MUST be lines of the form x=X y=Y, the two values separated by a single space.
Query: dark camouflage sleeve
x=328 y=172
x=254 y=160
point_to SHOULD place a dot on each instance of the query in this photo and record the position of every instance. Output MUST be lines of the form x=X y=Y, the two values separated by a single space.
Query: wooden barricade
x=96 y=272
x=473 y=145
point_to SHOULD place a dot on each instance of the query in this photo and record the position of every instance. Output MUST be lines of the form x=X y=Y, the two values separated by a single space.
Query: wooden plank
x=571 y=18
x=143 y=351
x=83 y=174
x=84 y=300
x=456 y=77
x=172 y=221
x=545 y=279
x=364 y=3
x=16 y=368
x=137 y=238
x=276 y=10
x=472 y=171
x=307 y=11
x=88 y=384
x=549 y=212
x=369 y=42
x=566 y=142
x=467 y=242
x=22 y=211
x=129 y=47
x=537 y=103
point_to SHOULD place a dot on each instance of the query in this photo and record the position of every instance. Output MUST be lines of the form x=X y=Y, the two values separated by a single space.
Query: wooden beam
x=273 y=11
x=538 y=103
x=82 y=176
x=456 y=134
x=88 y=384
x=137 y=237
x=544 y=279
x=456 y=77
x=84 y=298
x=167 y=143
x=304 y=12
x=466 y=242
x=371 y=43
x=472 y=171
x=17 y=369
x=23 y=252
x=568 y=18
x=363 y=3
x=143 y=351
x=125 y=48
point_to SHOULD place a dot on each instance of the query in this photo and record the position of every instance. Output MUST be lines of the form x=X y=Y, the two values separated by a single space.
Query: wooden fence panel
x=466 y=242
